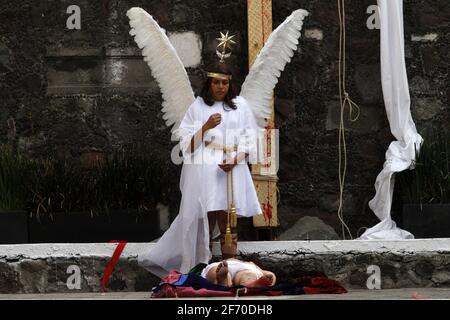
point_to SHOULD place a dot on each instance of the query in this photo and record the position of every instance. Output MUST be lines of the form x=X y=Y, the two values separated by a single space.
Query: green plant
x=14 y=170
x=132 y=179
x=56 y=185
x=129 y=179
x=429 y=181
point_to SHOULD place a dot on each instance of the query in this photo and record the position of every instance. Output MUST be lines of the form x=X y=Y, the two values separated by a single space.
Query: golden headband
x=219 y=75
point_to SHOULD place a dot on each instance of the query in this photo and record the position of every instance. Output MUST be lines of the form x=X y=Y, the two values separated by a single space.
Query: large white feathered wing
x=165 y=64
x=265 y=71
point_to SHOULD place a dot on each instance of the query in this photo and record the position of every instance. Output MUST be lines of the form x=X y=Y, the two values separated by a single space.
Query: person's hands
x=228 y=164
x=213 y=121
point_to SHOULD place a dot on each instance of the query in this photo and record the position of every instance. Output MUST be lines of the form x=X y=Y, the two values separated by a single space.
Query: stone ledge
x=44 y=268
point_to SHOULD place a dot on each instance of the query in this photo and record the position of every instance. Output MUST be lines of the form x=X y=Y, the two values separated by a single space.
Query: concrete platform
x=357 y=264
x=353 y=294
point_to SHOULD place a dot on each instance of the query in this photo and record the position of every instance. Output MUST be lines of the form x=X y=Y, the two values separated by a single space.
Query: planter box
x=13 y=227
x=430 y=221
x=81 y=227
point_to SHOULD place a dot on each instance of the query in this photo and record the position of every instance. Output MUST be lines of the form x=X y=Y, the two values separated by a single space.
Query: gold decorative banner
x=259 y=13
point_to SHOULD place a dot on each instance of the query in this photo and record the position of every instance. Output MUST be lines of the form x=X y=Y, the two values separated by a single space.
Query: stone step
x=59 y=268
x=352 y=294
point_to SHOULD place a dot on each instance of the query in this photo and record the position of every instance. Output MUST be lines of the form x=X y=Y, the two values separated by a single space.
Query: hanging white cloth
x=401 y=153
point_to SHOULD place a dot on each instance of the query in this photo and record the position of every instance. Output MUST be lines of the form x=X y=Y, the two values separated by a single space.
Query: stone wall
x=74 y=92
x=47 y=268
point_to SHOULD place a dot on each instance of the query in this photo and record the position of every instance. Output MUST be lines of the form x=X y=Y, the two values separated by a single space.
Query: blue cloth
x=198 y=282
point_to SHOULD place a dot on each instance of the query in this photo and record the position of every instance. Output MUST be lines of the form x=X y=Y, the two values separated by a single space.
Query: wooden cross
x=259 y=13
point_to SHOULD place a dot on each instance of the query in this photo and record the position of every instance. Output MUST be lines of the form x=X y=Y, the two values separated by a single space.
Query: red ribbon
x=112 y=263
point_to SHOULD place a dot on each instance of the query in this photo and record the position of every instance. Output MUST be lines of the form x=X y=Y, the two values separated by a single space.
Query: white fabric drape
x=400 y=153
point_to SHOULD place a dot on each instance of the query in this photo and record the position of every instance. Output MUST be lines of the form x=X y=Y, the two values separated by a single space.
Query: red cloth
x=112 y=263
x=171 y=287
x=169 y=291
x=324 y=285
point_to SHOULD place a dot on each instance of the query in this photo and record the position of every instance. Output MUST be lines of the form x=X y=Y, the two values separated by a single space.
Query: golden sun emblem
x=226 y=42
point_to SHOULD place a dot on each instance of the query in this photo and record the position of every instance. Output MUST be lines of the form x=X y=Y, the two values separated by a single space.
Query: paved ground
x=356 y=294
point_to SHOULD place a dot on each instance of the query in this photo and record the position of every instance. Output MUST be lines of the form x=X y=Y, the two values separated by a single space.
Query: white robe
x=203 y=186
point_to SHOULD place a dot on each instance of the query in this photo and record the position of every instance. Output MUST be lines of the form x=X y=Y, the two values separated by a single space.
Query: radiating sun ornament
x=226 y=42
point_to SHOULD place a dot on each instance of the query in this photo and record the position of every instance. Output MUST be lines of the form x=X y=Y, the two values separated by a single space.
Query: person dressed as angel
x=217 y=134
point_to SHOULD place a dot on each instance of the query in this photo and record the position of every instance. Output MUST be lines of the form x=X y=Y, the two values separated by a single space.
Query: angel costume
x=237 y=126
x=203 y=183
x=203 y=186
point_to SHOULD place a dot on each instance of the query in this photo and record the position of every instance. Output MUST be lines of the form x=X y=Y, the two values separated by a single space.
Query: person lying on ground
x=233 y=272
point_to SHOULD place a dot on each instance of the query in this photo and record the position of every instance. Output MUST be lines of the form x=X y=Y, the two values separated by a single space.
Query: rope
x=228 y=199
x=232 y=188
x=230 y=207
x=344 y=100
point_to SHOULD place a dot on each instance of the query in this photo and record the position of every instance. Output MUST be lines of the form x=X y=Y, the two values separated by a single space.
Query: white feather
x=263 y=75
x=165 y=64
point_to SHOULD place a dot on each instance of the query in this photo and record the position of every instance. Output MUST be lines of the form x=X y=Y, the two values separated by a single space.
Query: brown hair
x=206 y=90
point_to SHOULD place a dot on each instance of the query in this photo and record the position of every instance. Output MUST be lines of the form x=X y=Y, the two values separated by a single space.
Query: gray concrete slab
x=353 y=294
